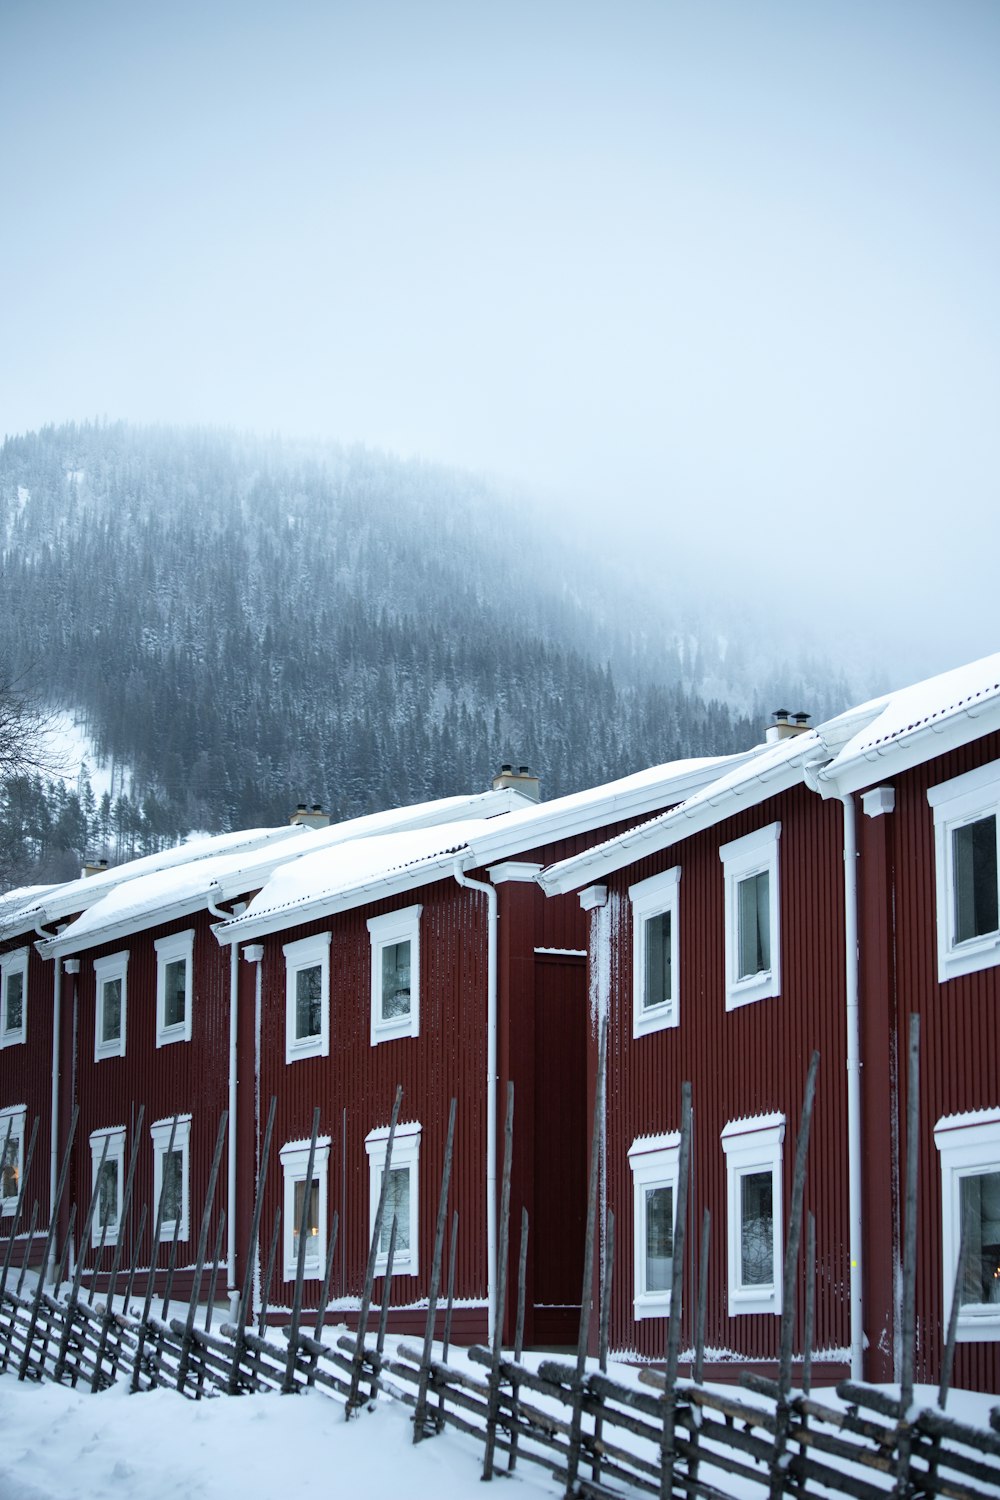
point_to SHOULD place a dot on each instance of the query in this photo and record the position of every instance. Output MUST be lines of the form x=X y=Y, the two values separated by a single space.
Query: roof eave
x=918 y=745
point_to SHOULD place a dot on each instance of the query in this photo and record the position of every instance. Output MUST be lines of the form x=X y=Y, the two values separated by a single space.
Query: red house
x=814 y=897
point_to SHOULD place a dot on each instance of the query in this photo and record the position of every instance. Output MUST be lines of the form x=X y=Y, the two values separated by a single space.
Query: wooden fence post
x=587 y=1291
x=288 y=1386
x=420 y=1428
x=354 y=1399
x=905 y=1440
x=53 y=1218
x=493 y=1399
x=213 y=1178
x=667 y=1451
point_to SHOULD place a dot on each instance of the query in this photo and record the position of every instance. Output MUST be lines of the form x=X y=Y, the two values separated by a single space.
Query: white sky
x=727 y=267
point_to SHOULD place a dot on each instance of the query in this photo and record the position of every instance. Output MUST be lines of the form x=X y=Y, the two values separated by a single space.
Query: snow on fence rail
x=601 y=1437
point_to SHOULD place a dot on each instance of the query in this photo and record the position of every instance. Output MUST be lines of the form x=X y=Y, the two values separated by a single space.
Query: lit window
x=171 y=1170
x=395 y=945
x=294 y=1165
x=108 y=1212
x=109 y=1011
x=753 y=1150
x=969 y=1147
x=655 y=952
x=11 y=1156
x=174 y=965
x=653 y=1162
x=13 y=997
x=401 y=1197
x=753 y=937
x=307 y=997
x=966 y=813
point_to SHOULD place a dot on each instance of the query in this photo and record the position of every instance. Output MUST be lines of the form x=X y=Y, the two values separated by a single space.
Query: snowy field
x=61 y=1444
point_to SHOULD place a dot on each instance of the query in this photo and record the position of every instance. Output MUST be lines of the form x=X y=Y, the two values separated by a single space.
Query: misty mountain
x=247 y=624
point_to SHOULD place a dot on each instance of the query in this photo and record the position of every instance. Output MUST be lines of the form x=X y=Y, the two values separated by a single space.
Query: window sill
x=314 y=1046
x=748 y=991
x=651 y=1305
x=757 y=1301
x=654 y=1018
x=391 y=1031
x=969 y=957
x=979 y=1325
x=175 y=1034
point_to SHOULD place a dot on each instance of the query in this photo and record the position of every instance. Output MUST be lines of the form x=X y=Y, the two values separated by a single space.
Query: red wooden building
x=815 y=897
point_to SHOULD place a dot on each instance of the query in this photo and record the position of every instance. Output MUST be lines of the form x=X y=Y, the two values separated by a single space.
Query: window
x=171 y=1167
x=108 y=1213
x=109 y=1016
x=13 y=997
x=655 y=952
x=753 y=938
x=753 y=1151
x=11 y=1155
x=653 y=1162
x=969 y=1147
x=395 y=943
x=295 y=1164
x=965 y=856
x=401 y=1196
x=174 y=963
x=307 y=997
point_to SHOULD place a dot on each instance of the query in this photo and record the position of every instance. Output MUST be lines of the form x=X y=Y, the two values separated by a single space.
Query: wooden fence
x=601 y=1437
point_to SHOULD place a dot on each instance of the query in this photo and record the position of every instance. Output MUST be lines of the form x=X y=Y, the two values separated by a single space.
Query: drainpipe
x=853 y=1017
x=491 y=1092
x=54 y=1126
x=234 y=995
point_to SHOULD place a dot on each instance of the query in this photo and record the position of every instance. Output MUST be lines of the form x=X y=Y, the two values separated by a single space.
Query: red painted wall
x=26 y=1078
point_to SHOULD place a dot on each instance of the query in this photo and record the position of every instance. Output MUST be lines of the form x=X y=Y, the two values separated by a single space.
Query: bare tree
x=25 y=730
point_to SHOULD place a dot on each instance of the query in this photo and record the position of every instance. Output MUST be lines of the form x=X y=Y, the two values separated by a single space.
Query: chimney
x=309 y=817
x=786 y=725
x=522 y=780
x=92 y=866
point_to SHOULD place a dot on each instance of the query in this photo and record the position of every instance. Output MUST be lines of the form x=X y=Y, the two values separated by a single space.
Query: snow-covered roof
x=347 y=875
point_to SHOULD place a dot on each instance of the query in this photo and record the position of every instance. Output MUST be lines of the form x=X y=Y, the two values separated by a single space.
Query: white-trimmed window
x=110 y=976
x=753 y=1149
x=171 y=1176
x=174 y=984
x=653 y=1162
x=11 y=1155
x=969 y=1147
x=402 y=1197
x=307 y=997
x=110 y=1184
x=13 y=997
x=966 y=819
x=753 y=931
x=295 y=1165
x=395 y=940
x=656 y=952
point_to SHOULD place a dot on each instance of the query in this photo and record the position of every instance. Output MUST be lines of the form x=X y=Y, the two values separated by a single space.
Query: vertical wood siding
x=26 y=1078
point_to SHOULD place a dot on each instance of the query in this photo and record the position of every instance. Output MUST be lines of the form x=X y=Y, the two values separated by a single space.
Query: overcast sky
x=721 y=275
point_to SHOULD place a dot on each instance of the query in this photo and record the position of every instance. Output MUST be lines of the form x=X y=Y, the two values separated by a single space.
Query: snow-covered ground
x=61 y=1444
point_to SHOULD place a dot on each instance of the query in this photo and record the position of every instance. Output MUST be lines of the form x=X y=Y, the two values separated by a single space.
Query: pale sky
x=718 y=275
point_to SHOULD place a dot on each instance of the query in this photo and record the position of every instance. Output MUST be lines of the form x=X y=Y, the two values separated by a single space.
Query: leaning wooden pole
x=493 y=1399
x=607 y=1282
x=19 y=1206
x=154 y=1256
x=288 y=1384
x=667 y=1445
x=74 y=1293
x=515 y=1384
x=909 y=1261
x=420 y=1428
x=354 y=1398
x=187 y=1337
x=97 y=1381
x=53 y=1218
x=252 y=1260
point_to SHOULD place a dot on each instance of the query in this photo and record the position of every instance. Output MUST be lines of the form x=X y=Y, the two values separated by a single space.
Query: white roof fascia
x=67 y=943
x=680 y=822
x=565 y=816
x=904 y=751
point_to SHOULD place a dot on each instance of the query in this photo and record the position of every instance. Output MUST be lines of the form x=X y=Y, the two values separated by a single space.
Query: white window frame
x=15 y=1117
x=964 y=799
x=106 y=970
x=307 y=953
x=405 y=1154
x=395 y=927
x=160 y=1132
x=12 y=964
x=653 y=1161
x=179 y=945
x=742 y=858
x=752 y=1146
x=115 y=1137
x=294 y=1165
x=969 y=1146
x=655 y=897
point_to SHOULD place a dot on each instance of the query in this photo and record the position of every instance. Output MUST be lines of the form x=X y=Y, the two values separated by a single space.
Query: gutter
x=491 y=1091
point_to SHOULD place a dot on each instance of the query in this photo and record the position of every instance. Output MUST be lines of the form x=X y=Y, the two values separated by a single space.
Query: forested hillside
x=249 y=624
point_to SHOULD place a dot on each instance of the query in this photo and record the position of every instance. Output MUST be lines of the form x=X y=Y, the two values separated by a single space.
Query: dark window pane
x=14 y=1015
x=756 y=1229
x=309 y=1002
x=754 y=916
x=312 y=1222
x=397 y=1201
x=974 y=856
x=107 y=1197
x=10 y=1162
x=979 y=1199
x=175 y=992
x=172 y=1190
x=659 y=981
x=111 y=1010
x=395 y=980
x=659 y=1239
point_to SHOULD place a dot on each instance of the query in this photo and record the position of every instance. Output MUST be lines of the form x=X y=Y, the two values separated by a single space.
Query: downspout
x=491 y=1092
x=853 y=1017
x=234 y=996
x=54 y=1126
